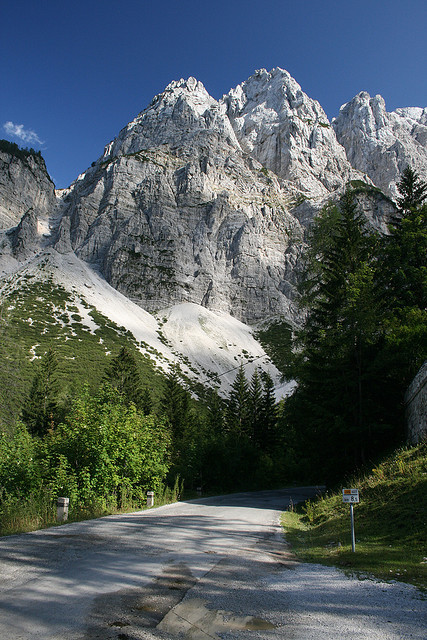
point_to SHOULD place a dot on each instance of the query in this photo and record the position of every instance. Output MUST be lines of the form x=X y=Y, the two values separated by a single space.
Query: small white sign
x=350 y=495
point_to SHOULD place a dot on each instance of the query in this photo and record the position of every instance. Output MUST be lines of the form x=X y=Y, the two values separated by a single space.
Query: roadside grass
x=390 y=523
x=38 y=511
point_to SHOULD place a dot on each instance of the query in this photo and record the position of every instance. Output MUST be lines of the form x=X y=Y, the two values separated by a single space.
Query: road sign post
x=351 y=496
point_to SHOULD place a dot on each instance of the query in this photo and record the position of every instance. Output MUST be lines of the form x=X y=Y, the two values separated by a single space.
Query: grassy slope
x=43 y=315
x=390 y=523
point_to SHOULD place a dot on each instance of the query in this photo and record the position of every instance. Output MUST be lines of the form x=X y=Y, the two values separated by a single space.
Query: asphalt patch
x=127 y=613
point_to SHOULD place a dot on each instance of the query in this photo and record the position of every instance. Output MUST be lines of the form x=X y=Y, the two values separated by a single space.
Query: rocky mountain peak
x=369 y=112
x=276 y=89
x=380 y=143
x=191 y=85
x=177 y=117
x=288 y=132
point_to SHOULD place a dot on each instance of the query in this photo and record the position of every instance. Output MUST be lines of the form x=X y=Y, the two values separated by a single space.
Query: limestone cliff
x=383 y=144
x=288 y=132
x=24 y=185
x=175 y=211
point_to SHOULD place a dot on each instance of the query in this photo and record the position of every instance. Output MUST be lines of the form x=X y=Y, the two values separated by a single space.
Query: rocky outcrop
x=24 y=237
x=24 y=185
x=289 y=133
x=383 y=144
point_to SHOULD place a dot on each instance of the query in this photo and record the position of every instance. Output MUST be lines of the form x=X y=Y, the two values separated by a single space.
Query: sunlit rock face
x=288 y=132
x=206 y=201
x=176 y=211
x=383 y=144
x=24 y=185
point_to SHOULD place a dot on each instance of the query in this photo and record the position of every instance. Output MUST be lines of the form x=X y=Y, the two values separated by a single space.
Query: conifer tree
x=412 y=190
x=41 y=410
x=402 y=277
x=123 y=374
x=334 y=404
x=256 y=425
x=215 y=416
x=175 y=404
x=146 y=401
x=405 y=257
x=269 y=413
x=238 y=404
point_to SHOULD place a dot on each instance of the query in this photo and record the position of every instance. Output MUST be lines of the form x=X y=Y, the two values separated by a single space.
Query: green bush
x=19 y=469
x=105 y=448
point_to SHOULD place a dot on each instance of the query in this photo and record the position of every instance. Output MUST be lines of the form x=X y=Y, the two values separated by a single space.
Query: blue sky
x=74 y=73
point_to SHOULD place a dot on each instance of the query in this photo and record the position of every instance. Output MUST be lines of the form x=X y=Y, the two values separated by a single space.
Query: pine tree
x=123 y=374
x=238 y=413
x=405 y=255
x=175 y=404
x=402 y=277
x=41 y=410
x=269 y=413
x=335 y=398
x=256 y=428
x=215 y=415
x=412 y=191
x=146 y=401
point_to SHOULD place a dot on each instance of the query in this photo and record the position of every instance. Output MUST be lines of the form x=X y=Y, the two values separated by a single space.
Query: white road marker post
x=351 y=496
x=62 y=509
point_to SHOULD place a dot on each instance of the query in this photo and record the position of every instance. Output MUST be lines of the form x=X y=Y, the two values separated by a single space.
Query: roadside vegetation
x=390 y=522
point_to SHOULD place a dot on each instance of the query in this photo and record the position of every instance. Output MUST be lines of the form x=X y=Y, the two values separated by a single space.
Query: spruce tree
x=333 y=407
x=123 y=374
x=405 y=255
x=215 y=413
x=41 y=410
x=146 y=401
x=175 y=404
x=402 y=277
x=238 y=412
x=269 y=413
x=412 y=191
x=256 y=428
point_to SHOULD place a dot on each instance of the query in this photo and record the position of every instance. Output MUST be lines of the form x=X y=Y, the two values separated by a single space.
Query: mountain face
x=205 y=202
x=382 y=144
x=175 y=211
x=24 y=185
x=290 y=134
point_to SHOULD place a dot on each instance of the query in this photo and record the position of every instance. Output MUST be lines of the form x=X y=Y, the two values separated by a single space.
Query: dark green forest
x=129 y=430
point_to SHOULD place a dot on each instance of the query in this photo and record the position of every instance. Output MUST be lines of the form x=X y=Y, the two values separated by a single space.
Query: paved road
x=211 y=568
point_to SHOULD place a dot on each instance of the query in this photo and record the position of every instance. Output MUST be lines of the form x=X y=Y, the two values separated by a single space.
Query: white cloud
x=18 y=131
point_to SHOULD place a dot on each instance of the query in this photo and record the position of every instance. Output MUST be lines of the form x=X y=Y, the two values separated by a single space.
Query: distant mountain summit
x=206 y=201
x=382 y=144
x=288 y=132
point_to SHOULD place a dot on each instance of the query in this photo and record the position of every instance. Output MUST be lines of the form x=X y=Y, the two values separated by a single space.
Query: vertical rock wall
x=416 y=407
